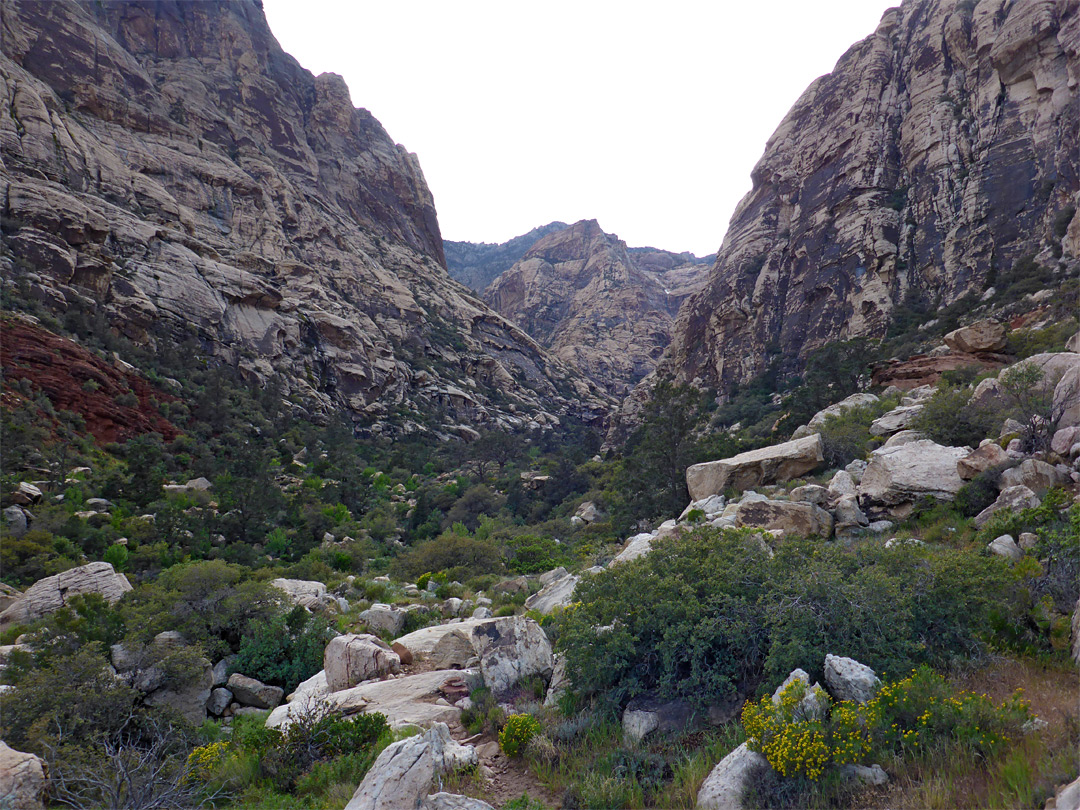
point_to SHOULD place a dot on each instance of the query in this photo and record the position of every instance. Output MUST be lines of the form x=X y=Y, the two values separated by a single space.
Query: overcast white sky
x=647 y=116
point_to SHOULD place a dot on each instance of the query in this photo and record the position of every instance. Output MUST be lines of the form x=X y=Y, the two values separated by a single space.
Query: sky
x=646 y=116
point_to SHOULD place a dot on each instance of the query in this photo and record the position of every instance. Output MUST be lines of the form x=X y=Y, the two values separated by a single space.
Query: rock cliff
x=477 y=264
x=170 y=165
x=600 y=307
x=939 y=156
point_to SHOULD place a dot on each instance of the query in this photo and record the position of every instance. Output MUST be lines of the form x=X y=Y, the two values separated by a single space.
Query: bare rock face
x=22 y=779
x=767 y=465
x=353 y=658
x=937 y=153
x=579 y=293
x=168 y=164
x=52 y=593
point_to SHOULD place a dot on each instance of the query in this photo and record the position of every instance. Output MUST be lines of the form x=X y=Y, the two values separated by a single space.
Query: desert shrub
x=37 y=554
x=211 y=603
x=517 y=732
x=978 y=493
x=454 y=552
x=284 y=649
x=535 y=555
x=921 y=715
x=846 y=436
x=723 y=617
x=949 y=418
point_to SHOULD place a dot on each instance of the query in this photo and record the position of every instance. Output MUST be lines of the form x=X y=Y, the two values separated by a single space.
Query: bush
x=919 y=715
x=722 y=616
x=459 y=555
x=283 y=650
x=948 y=418
x=846 y=436
x=978 y=493
x=517 y=732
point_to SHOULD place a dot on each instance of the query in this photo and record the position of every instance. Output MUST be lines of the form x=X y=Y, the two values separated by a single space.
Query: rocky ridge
x=171 y=166
x=477 y=264
x=937 y=156
x=598 y=306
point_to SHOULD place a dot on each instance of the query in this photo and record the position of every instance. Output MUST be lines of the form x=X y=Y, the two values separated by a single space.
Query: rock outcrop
x=768 y=465
x=22 y=779
x=171 y=167
x=935 y=156
x=579 y=293
x=52 y=593
x=477 y=264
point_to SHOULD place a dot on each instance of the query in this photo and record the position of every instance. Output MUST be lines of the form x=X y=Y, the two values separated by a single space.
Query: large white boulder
x=402 y=775
x=22 y=779
x=723 y=787
x=767 y=465
x=981 y=336
x=906 y=473
x=384 y=619
x=1015 y=498
x=1036 y=475
x=794 y=518
x=637 y=546
x=352 y=658
x=894 y=421
x=50 y=594
x=847 y=679
x=557 y=594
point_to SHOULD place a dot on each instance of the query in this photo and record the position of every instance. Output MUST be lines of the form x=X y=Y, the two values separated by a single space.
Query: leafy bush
x=284 y=649
x=454 y=552
x=846 y=436
x=722 y=615
x=920 y=715
x=517 y=732
x=978 y=493
x=949 y=418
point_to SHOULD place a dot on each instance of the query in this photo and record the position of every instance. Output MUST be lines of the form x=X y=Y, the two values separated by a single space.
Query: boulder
x=453 y=801
x=790 y=517
x=904 y=474
x=15 y=520
x=511 y=649
x=383 y=619
x=402 y=775
x=221 y=669
x=854 y=401
x=1066 y=402
x=52 y=593
x=251 y=692
x=309 y=594
x=26 y=494
x=22 y=779
x=352 y=658
x=1015 y=498
x=903 y=437
x=710 y=507
x=637 y=724
x=551 y=576
x=559 y=683
x=644 y=715
x=847 y=679
x=588 y=512
x=897 y=419
x=981 y=336
x=848 y=514
x=1063 y=441
x=98 y=504
x=812 y=706
x=872 y=775
x=1027 y=541
x=856 y=469
x=1076 y=633
x=1066 y=797
x=512 y=586
x=842 y=484
x=988 y=456
x=8 y=596
x=636 y=546
x=410 y=700
x=767 y=465
x=314 y=686
x=187 y=697
x=219 y=701
x=1036 y=475
x=811 y=493
x=1005 y=546
x=723 y=787
x=482 y=612
x=557 y=594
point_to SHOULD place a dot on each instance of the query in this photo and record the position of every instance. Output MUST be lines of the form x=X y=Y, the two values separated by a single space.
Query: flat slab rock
x=51 y=593
x=766 y=465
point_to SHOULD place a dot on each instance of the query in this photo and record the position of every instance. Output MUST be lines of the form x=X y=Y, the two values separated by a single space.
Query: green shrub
x=283 y=650
x=722 y=614
x=459 y=555
x=978 y=493
x=948 y=418
x=517 y=732
x=846 y=436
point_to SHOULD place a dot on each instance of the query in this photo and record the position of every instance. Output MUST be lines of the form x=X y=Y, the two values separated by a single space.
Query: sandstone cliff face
x=579 y=293
x=939 y=151
x=170 y=163
x=477 y=264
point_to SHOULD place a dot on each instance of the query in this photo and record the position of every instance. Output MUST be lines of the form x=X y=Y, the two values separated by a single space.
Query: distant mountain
x=602 y=308
x=477 y=264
